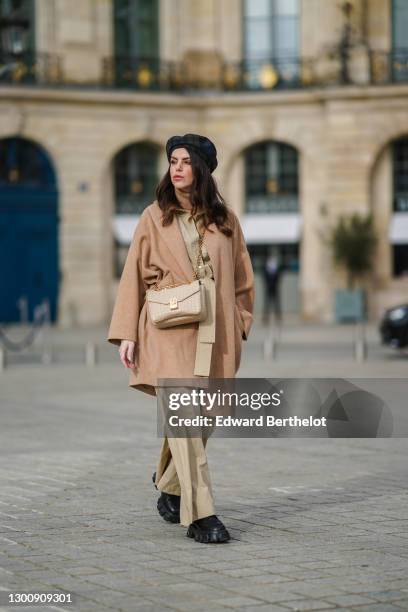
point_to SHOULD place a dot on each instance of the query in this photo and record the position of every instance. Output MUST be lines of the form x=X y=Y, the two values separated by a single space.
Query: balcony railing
x=142 y=74
x=31 y=68
x=389 y=67
x=133 y=73
x=146 y=74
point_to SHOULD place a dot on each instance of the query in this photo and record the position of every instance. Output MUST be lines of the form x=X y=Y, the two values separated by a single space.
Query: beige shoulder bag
x=181 y=303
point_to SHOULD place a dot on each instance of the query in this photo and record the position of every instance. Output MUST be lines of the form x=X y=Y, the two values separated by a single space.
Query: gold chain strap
x=195 y=269
x=199 y=254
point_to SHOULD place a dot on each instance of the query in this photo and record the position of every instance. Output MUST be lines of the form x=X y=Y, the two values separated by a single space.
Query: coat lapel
x=173 y=237
x=171 y=234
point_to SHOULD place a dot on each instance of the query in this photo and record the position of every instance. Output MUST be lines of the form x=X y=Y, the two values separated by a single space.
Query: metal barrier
x=272 y=341
x=38 y=332
x=39 y=335
x=360 y=342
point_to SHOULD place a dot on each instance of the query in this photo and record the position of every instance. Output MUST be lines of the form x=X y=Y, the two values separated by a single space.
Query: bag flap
x=162 y=296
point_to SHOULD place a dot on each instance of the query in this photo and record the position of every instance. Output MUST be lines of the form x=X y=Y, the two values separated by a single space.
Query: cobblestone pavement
x=316 y=524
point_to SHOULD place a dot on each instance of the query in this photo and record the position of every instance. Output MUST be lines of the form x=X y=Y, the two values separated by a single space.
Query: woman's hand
x=127 y=352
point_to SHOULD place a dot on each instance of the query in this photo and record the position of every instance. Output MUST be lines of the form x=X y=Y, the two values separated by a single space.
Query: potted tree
x=352 y=241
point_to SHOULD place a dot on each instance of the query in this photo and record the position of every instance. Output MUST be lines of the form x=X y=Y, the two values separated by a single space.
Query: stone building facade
x=307 y=102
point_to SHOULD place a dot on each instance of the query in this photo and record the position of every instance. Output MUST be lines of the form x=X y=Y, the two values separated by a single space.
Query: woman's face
x=181 y=172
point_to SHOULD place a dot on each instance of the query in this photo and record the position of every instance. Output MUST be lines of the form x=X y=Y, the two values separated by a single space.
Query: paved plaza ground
x=316 y=524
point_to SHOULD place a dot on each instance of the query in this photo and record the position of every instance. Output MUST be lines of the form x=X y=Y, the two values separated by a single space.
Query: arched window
x=400 y=174
x=271 y=42
x=136 y=36
x=135 y=179
x=271 y=178
x=400 y=202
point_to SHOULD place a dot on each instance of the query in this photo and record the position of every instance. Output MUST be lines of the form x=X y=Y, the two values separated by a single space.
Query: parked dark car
x=394 y=326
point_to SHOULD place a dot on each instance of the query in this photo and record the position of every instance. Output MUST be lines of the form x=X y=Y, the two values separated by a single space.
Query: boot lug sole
x=219 y=537
x=166 y=514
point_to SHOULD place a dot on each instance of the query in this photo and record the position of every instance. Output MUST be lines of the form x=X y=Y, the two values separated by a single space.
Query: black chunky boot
x=208 y=530
x=168 y=505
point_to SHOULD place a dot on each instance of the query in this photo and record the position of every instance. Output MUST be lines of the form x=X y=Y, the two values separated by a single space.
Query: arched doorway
x=28 y=230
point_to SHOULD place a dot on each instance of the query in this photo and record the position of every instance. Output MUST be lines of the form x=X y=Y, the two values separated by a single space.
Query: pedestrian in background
x=272 y=276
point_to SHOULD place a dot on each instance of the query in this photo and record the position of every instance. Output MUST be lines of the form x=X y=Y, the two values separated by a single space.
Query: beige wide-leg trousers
x=183 y=470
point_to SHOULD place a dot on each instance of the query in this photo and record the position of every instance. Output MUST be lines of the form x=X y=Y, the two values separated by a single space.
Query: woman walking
x=188 y=222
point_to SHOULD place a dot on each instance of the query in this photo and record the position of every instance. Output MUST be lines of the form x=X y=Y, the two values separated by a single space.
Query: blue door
x=28 y=230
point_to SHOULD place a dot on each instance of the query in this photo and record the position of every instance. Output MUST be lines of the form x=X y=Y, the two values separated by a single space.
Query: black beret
x=200 y=144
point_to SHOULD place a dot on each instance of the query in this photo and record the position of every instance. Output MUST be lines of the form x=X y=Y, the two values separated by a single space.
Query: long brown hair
x=206 y=200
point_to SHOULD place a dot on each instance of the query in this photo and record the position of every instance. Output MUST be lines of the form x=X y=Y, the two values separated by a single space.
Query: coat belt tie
x=206 y=331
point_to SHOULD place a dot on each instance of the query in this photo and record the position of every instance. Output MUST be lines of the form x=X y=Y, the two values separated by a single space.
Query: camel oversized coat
x=159 y=253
